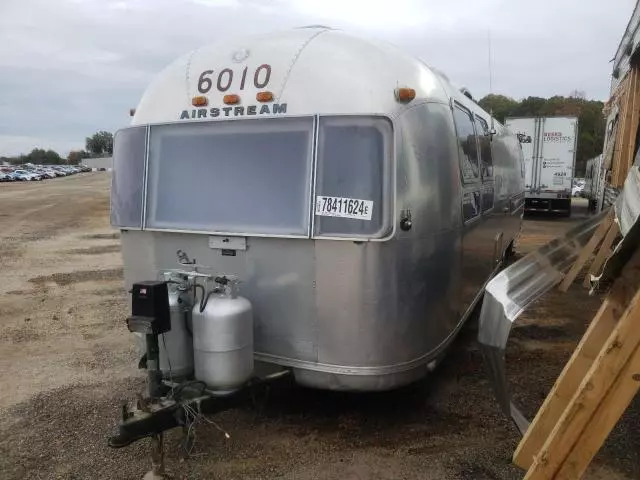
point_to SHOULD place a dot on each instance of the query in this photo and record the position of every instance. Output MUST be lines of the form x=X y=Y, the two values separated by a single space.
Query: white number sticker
x=344 y=207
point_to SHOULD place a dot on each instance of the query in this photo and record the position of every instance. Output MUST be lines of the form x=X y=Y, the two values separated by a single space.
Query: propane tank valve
x=230 y=284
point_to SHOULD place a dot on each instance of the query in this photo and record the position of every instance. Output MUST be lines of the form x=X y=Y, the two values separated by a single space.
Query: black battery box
x=150 y=313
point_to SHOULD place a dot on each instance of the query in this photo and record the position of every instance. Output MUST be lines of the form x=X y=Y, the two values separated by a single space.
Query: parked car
x=25 y=175
x=45 y=173
x=5 y=177
x=577 y=190
x=60 y=171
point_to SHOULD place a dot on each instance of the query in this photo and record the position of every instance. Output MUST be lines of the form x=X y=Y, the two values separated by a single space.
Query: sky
x=69 y=68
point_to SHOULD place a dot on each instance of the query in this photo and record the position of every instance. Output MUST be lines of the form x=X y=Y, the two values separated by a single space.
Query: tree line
x=591 y=122
x=100 y=144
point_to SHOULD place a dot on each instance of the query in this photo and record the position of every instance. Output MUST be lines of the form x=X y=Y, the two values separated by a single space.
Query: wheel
x=509 y=252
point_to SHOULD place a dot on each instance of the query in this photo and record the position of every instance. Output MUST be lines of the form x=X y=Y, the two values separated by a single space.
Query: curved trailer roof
x=311 y=70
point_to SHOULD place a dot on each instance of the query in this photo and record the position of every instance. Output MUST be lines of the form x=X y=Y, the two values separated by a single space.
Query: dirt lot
x=66 y=361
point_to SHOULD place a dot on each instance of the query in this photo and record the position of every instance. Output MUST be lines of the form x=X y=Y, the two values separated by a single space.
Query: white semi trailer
x=549 y=146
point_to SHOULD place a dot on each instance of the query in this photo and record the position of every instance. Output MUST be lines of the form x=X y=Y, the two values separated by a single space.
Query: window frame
x=485 y=133
x=389 y=186
x=231 y=233
x=387 y=228
x=470 y=115
x=143 y=204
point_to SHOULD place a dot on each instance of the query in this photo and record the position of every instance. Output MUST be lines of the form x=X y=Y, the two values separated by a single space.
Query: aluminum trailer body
x=361 y=199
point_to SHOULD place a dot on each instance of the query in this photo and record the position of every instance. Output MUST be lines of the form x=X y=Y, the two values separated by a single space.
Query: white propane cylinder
x=176 y=346
x=223 y=341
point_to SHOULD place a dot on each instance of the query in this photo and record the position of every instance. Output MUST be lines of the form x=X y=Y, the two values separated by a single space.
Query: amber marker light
x=405 y=95
x=232 y=99
x=199 y=101
x=264 y=96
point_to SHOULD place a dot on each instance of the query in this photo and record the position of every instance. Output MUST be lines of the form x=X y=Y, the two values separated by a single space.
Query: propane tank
x=223 y=338
x=176 y=346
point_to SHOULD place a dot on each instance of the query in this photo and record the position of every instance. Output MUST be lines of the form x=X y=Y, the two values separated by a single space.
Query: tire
x=509 y=253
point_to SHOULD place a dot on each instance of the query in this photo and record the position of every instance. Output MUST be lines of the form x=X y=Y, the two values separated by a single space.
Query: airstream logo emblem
x=240 y=55
x=248 y=111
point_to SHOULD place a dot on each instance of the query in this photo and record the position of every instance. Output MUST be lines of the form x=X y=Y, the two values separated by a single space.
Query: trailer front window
x=231 y=177
x=128 y=177
x=353 y=179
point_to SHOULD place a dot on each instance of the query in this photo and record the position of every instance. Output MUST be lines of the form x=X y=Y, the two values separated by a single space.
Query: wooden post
x=624 y=135
x=634 y=105
x=603 y=324
x=604 y=253
x=587 y=250
x=618 y=350
x=604 y=420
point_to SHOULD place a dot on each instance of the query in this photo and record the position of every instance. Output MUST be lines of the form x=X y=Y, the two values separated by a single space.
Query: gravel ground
x=66 y=362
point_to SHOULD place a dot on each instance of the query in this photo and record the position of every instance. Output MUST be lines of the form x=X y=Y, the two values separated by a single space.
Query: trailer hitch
x=138 y=423
x=149 y=416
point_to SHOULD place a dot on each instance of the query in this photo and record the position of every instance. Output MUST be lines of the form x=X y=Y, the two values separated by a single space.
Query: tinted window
x=127 y=182
x=487 y=197
x=484 y=142
x=354 y=155
x=235 y=177
x=471 y=205
x=467 y=142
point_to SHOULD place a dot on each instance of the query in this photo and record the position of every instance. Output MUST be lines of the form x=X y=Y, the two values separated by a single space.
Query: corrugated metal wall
x=104 y=162
x=630 y=41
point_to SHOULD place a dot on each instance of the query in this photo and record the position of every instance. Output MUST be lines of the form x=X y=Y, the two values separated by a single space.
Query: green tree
x=40 y=156
x=17 y=160
x=530 y=107
x=500 y=105
x=76 y=156
x=100 y=143
x=591 y=125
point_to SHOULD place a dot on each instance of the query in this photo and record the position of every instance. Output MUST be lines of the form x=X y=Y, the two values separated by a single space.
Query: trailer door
x=478 y=240
x=557 y=154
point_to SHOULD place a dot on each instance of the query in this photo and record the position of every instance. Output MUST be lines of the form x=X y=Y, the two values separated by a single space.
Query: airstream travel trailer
x=314 y=202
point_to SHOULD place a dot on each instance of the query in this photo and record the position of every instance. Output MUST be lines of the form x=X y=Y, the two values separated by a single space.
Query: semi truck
x=549 y=147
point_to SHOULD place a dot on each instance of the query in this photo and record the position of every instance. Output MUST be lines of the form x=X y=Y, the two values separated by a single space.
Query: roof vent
x=466 y=93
